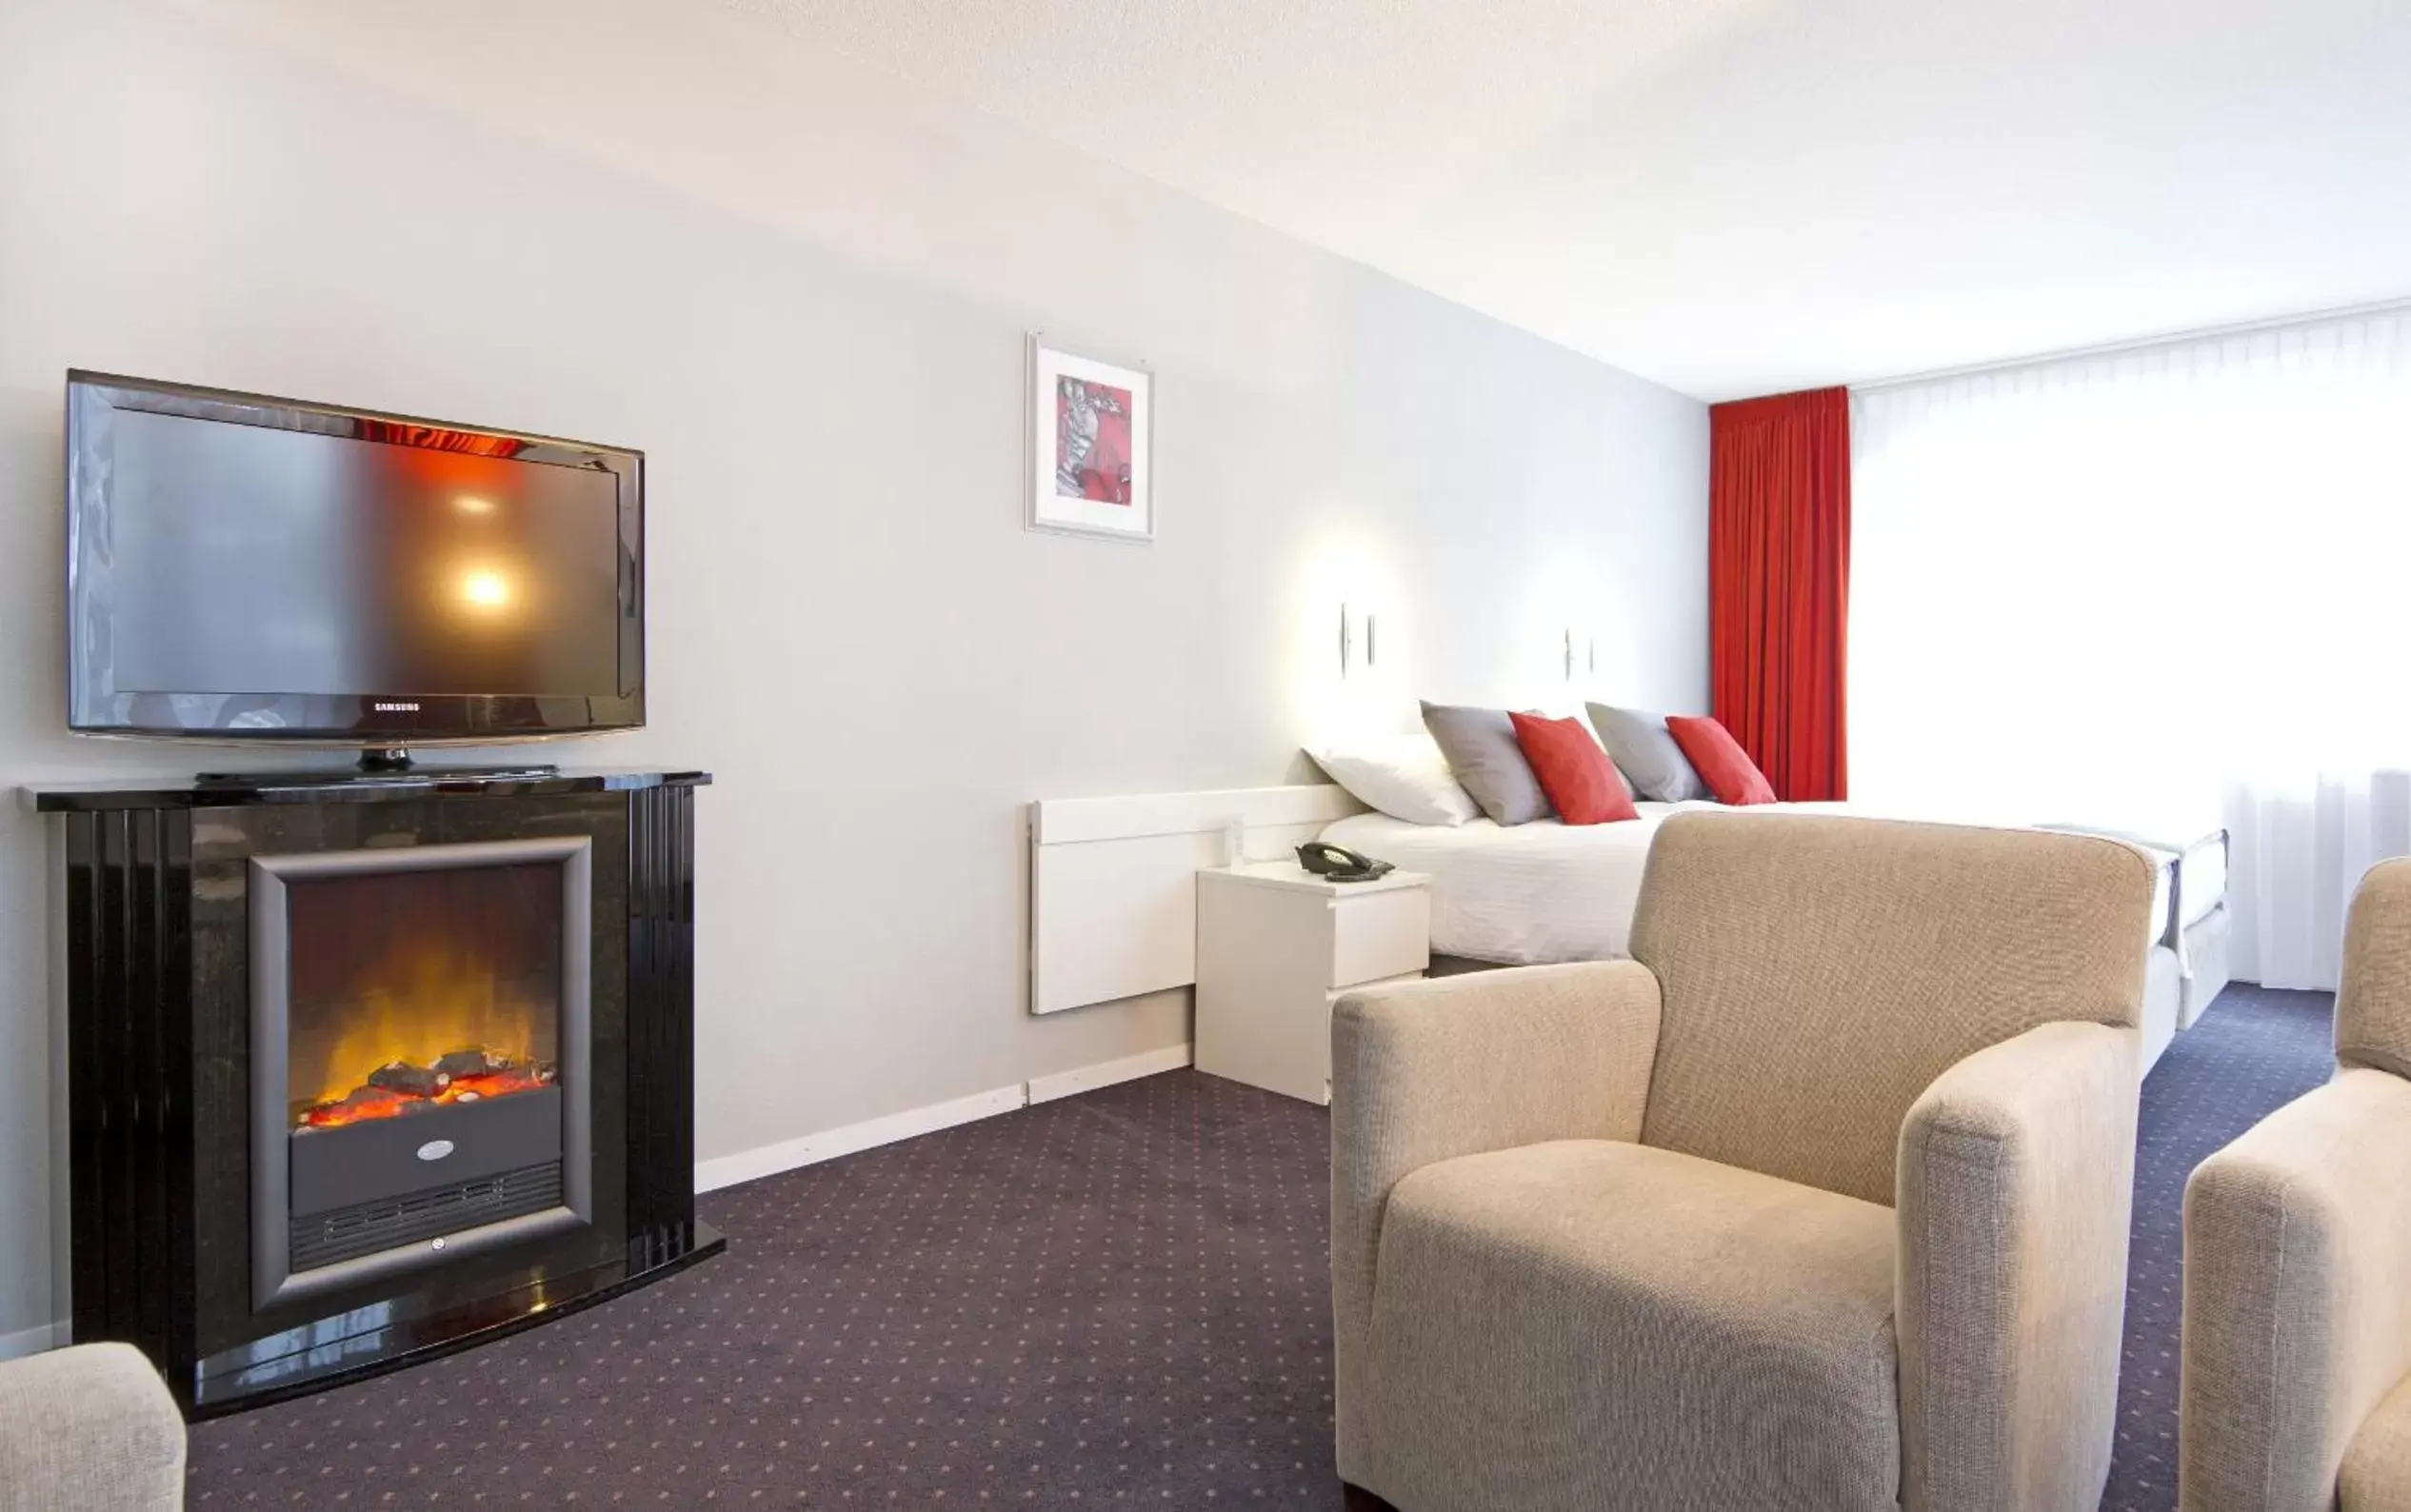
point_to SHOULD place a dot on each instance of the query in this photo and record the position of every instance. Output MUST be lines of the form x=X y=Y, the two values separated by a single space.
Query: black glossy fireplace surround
x=279 y=1178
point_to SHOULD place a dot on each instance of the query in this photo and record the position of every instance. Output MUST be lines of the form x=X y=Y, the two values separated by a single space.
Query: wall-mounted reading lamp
x=1347 y=640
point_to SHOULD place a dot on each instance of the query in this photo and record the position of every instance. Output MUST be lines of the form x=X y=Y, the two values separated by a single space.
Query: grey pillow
x=1481 y=751
x=1644 y=751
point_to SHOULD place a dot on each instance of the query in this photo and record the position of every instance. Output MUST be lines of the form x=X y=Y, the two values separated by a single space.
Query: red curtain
x=1779 y=584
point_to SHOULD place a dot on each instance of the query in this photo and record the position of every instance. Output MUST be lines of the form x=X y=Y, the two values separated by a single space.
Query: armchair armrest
x=2015 y=1187
x=1427 y=1071
x=2297 y=1305
x=91 y=1427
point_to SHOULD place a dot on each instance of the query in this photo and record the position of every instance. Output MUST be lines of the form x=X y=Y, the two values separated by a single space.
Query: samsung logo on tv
x=396 y=708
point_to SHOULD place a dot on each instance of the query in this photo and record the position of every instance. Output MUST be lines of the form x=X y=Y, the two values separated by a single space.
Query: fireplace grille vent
x=347 y=1233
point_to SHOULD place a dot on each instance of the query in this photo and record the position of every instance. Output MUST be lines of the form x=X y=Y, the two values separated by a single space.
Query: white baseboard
x=31 y=1341
x=1089 y=1078
x=787 y=1155
x=769 y=1160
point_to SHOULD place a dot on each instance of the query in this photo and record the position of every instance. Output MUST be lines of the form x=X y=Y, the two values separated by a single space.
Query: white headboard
x=1113 y=882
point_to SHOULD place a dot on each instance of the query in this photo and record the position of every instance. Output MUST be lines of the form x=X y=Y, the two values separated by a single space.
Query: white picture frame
x=1092 y=430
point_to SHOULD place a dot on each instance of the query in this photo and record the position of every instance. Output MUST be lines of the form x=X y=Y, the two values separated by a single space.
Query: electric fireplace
x=368 y=1071
x=420 y=1070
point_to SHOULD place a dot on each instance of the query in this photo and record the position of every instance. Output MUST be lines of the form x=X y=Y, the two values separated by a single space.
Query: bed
x=1536 y=893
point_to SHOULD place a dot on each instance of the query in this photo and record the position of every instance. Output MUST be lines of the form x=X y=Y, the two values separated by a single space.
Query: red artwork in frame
x=1092 y=441
x=1091 y=445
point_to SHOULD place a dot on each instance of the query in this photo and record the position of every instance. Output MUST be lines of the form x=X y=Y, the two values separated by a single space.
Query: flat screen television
x=246 y=568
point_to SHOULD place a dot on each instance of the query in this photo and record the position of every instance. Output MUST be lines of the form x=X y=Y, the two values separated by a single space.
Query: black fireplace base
x=155 y=894
x=302 y=1360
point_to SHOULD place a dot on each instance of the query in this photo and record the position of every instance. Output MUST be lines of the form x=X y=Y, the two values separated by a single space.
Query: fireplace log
x=457 y=1064
x=362 y=1103
x=410 y=1080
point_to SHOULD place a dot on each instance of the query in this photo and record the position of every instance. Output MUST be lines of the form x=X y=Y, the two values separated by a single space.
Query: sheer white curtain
x=2160 y=589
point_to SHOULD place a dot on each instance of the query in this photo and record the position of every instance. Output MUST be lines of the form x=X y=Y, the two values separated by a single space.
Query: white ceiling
x=1743 y=196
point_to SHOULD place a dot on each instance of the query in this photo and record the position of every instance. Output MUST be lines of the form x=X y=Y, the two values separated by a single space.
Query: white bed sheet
x=1533 y=894
x=1521 y=894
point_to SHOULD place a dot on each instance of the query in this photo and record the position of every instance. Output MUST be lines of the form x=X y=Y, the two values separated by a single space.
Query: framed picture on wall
x=1092 y=463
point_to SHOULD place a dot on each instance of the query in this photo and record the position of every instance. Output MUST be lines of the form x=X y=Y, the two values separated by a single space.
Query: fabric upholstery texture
x=1719 y=761
x=1427 y=1071
x=2297 y=1264
x=2016 y=1173
x=2373 y=1009
x=1646 y=751
x=2376 y=1474
x=1820 y=972
x=2298 y=1295
x=1582 y=784
x=1483 y=751
x=89 y=1427
x=1826 y=1017
x=1598 y=1326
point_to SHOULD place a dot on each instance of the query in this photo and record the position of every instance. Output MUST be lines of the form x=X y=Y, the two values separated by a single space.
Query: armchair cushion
x=2378 y=1466
x=91 y=1426
x=1596 y=1325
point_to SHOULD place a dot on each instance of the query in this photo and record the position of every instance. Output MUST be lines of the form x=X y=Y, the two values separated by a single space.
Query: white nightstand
x=1276 y=947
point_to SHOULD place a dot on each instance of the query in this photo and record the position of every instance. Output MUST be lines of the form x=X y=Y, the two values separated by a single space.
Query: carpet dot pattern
x=1119 y=1300
x=2254 y=1051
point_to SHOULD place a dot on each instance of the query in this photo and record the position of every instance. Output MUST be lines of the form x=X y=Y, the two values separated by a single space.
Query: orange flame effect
x=393 y=1105
x=429 y=1001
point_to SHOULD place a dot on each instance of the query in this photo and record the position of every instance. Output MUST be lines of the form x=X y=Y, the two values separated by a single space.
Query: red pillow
x=1576 y=775
x=1721 y=763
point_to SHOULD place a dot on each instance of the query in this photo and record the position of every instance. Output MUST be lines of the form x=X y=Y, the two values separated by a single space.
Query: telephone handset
x=1339 y=863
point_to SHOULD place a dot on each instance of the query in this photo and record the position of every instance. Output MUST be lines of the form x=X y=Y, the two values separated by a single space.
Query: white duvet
x=1530 y=894
x=1523 y=894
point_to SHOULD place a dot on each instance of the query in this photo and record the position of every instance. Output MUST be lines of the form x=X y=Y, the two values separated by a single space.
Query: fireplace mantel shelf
x=282 y=787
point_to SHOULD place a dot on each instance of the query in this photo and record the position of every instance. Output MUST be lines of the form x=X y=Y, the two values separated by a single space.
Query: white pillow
x=1404 y=776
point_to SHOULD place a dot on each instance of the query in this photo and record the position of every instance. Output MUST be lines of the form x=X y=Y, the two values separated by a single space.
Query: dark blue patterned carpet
x=1116 y=1300
x=2254 y=1051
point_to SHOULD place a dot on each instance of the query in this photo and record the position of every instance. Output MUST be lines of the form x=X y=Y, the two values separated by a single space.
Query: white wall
x=803 y=290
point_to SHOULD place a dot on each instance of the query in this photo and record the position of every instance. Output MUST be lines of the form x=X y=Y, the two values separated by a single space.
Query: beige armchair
x=88 y=1430
x=2298 y=1266
x=1819 y=1202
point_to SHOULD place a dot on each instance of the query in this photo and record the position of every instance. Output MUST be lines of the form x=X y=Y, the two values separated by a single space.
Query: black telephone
x=1339 y=863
